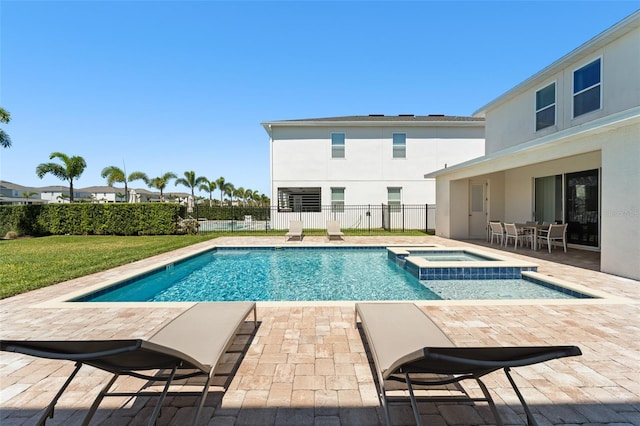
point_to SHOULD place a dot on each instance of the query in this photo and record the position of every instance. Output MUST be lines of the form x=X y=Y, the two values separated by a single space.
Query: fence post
x=403 y=218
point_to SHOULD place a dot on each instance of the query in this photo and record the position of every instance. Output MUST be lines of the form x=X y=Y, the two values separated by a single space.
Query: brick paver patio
x=306 y=363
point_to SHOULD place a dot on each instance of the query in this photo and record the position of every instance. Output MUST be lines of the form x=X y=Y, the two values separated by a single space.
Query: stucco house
x=562 y=146
x=365 y=160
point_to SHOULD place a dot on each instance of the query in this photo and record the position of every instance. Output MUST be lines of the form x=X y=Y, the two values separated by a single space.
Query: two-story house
x=562 y=146
x=365 y=160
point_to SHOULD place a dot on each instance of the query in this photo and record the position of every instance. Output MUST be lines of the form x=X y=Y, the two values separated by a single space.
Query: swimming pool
x=304 y=274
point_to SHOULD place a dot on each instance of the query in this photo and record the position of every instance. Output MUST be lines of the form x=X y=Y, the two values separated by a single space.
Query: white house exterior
x=562 y=146
x=365 y=160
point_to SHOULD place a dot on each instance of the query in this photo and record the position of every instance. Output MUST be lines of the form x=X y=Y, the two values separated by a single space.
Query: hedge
x=90 y=219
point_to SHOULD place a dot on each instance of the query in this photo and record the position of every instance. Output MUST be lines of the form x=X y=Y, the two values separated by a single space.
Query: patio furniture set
x=531 y=233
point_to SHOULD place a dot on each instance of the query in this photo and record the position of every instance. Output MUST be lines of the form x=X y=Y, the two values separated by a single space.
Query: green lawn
x=31 y=263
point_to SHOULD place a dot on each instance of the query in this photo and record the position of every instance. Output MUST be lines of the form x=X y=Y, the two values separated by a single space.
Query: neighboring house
x=562 y=146
x=365 y=160
x=11 y=193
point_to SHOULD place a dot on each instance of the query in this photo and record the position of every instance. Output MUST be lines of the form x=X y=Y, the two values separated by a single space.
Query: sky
x=174 y=86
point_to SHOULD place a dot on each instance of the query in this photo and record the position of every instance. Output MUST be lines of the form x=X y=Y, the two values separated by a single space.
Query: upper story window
x=399 y=145
x=587 y=84
x=394 y=198
x=546 y=107
x=337 y=145
x=337 y=200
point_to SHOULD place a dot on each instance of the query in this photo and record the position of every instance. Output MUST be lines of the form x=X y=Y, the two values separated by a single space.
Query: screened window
x=394 y=199
x=399 y=145
x=546 y=107
x=587 y=88
x=337 y=145
x=299 y=199
x=337 y=200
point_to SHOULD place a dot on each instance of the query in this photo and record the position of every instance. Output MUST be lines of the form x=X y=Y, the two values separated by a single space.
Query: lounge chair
x=190 y=345
x=295 y=230
x=406 y=346
x=333 y=229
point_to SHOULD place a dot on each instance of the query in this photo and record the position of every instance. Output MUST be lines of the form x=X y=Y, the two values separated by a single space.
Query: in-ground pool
x=308 y=274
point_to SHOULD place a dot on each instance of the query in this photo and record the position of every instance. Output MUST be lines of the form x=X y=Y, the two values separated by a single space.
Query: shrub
x=90 y=219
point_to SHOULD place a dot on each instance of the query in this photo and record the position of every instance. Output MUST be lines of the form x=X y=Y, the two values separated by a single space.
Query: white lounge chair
x=295 y=230
x=333 y=229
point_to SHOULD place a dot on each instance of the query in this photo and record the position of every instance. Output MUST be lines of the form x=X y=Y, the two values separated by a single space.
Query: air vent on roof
x=436 y=115
x=405 y=115
x=376 y=115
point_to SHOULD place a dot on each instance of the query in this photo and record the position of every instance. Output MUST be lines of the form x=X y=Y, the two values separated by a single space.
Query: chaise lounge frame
x=405 y=342
x=191 y=345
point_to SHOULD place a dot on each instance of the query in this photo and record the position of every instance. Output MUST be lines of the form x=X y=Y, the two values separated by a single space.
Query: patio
x=307 y=365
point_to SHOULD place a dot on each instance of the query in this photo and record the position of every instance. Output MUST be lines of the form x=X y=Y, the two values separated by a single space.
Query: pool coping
x=150 y=265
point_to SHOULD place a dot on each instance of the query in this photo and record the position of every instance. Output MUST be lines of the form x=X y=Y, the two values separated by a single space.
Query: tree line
x=71 y=168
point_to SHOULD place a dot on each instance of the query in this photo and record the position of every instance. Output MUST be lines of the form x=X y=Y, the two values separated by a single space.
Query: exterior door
x=477 y=210
x=583 y=207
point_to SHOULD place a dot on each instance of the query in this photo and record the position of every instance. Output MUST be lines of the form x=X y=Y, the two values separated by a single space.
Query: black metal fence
x=358 y=218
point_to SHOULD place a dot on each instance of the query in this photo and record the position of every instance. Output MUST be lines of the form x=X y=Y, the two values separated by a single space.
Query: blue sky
x=184 y=85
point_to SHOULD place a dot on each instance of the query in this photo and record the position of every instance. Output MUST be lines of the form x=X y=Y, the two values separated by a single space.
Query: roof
x=372 y=120
x=618 y=30
x=377 y=118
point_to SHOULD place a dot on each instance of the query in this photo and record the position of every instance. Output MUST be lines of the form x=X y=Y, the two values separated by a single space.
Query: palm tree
x=239 y=194
x=5 y=117
x=115 y=174
x=222 y=186
x=70 y=170
x=160 y=182
x=228 y=191
x=208 y=186
x=191 y=181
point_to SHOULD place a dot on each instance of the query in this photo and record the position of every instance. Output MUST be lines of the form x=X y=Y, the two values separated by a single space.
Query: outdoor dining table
x=535 y=229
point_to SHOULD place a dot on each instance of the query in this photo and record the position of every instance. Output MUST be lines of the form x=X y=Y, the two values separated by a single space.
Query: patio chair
x=518 y=236
x=554 y=233
x=333 y=230
x=191 y=345
x=295 y=230
x=406 y=346
x=497 y=231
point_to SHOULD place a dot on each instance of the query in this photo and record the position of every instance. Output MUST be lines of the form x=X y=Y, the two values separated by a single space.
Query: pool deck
x=306 y=363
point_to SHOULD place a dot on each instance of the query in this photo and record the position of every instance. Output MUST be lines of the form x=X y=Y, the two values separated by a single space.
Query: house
x=562 y=146
x=11 y=193
x=365 y=160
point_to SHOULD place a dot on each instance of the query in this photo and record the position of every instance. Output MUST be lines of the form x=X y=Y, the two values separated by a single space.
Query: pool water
x=304 y=274
x=450 y=256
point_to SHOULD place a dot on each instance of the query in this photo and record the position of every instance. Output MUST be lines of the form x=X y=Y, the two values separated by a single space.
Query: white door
x=477 y=210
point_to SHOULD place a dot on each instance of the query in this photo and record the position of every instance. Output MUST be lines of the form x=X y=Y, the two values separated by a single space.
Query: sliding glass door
x=575 y=202
x=582 y=206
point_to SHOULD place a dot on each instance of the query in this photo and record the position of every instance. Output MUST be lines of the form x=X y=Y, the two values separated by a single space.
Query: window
x=337 y=145
x=546 y=107
x=337 y=200
x=586 y=88
x=394 y=198
x=299 y=199
x=399 y=145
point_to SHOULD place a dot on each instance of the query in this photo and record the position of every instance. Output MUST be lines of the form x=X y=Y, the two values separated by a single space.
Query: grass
x=31 y=263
